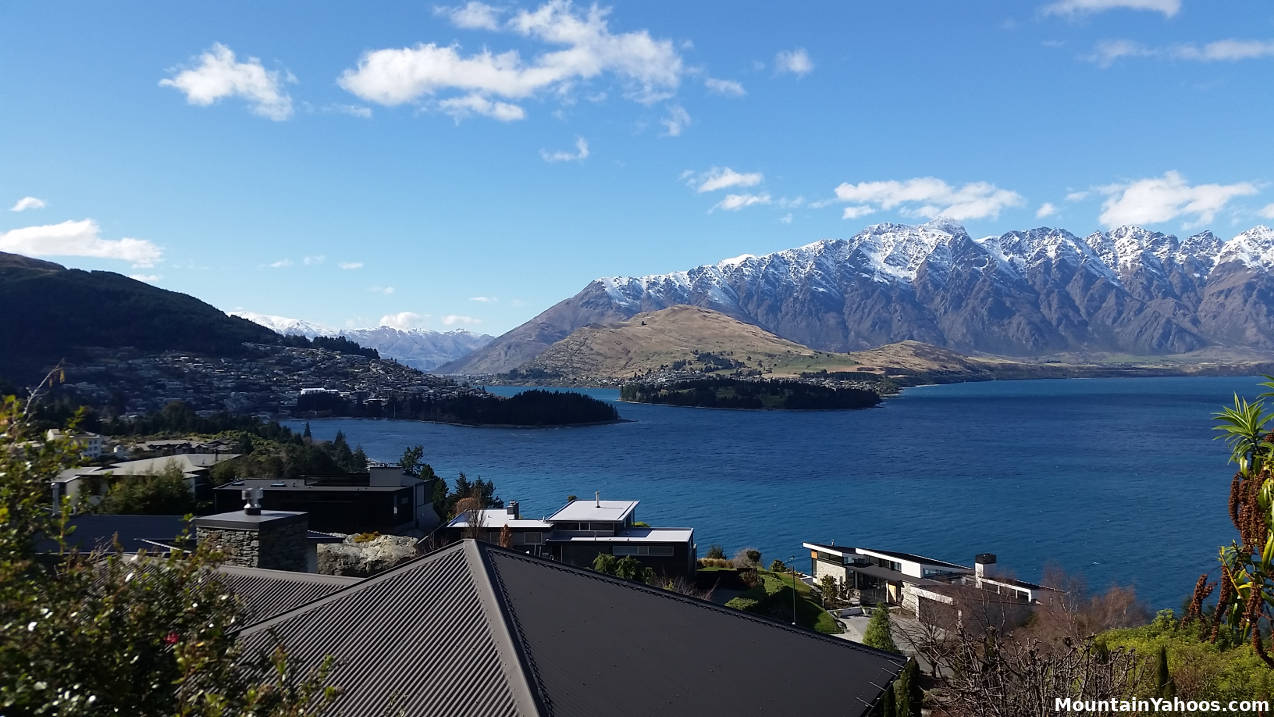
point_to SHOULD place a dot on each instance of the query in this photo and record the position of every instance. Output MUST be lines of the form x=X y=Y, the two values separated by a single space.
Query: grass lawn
x=774 y=593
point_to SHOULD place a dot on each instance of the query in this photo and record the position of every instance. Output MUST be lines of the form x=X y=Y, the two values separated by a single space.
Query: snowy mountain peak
x=1254 y=248
x=284 y=325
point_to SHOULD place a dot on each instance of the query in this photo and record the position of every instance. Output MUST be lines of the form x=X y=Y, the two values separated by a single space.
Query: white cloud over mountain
x=78 y=238
x=1162 y=199
x=927 y=197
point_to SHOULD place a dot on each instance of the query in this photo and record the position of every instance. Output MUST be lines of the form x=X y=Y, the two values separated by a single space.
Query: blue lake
x=1118 y=480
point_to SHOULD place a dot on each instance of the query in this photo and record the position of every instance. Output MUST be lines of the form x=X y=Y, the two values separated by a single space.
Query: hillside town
x=267 y=381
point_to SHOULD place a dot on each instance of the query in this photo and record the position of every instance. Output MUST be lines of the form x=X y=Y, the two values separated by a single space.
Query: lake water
x=1117 y=480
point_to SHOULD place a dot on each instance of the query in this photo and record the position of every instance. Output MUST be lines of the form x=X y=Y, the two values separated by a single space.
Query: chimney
x=251 y=501
x=513 y=510
x=273 y=539
x=980 y=562
x=597 y=498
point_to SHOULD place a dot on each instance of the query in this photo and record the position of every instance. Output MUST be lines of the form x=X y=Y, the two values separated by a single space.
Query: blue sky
x=467 y=166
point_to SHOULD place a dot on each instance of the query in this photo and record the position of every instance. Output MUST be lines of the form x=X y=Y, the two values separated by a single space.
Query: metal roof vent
x=597 y=498
x=251 y=501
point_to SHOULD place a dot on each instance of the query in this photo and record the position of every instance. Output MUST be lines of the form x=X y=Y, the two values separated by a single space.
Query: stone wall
x=275 y=545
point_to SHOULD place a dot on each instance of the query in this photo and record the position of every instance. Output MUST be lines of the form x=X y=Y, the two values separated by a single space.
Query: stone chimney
x=513 y=510
x=979 y=565
x=272 y=539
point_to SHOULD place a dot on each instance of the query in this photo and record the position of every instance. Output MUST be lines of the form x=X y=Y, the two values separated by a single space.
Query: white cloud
x=675 y=121
x=472 y=16
x=1107 y=52
x=219 y=76
x=280 y=264
x=484 y=299
x=797 y=62
x=403 y=320
x=1078 y=196
x=148 y=278
x=1162 y=199
x=465 y=105
x=723 y=178
x=314 y=260
x=584 y=48
x=26 y=203
x=1047 y=209
x=735 y=202
x=350 y=265
x=1074 y=8
x=580 y=153
x=729 y=88
x=78 y=238
x=453 y=319
x=1229 y=50
x=351 y=110
x=786 y=218
x=927 y=197
x=1267 y=211
x=386 y=290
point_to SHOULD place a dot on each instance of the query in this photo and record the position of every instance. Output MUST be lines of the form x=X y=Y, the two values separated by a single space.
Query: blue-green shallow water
x=1116 y=479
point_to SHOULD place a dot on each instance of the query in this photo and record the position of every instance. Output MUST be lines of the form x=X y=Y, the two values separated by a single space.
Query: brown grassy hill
x=694 y=338
x=698 y=339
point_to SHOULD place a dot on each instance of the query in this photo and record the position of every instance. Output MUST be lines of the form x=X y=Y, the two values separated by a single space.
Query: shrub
x=878 y=633
x=365 y=537
x=749 y=577
x=745 y=604
x=716 y=552
x=777 y=566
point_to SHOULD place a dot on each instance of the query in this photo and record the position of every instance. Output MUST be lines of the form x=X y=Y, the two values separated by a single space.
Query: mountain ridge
x=423 y=349
x=1022 y=293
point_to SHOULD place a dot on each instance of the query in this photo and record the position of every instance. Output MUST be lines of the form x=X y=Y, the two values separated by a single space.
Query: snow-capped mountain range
x=1023 y=293
x=419 y=348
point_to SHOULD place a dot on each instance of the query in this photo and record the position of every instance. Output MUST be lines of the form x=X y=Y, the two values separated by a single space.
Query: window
x=653 y=551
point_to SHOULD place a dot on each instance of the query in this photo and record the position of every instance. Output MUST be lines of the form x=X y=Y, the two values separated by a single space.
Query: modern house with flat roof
x=530 y=636
x=583 y=529
x=890 y=577
x=384 y=500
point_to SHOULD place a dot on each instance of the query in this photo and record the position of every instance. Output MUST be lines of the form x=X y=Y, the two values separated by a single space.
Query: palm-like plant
x=1246 y=588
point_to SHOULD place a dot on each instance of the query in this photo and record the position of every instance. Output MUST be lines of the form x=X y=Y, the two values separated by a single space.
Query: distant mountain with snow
x=418 y=348
x=1023 y=293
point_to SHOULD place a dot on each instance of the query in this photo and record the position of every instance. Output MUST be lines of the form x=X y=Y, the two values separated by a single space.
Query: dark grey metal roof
x=98 y=531
x=476 y=629
x=266 y=593
x=599 y=645
x=423 y=638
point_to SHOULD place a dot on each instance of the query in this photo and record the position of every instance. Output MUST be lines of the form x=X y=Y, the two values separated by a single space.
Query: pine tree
x=878 y=633
x=1164 y=685
x=887 y=707
x=910 y=695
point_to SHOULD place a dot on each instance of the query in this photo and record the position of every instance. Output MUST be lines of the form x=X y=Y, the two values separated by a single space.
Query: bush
x=365 y=537
x=745 y=604
x=747 y=558
x=777 y=566
x=163 y=494
x=878 y=633
x=716 y=552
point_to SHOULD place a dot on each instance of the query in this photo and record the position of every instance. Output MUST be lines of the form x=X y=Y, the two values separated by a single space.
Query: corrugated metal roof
x=418 y=639
x=266 y=593
x=474 y=629
x=599 y=645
